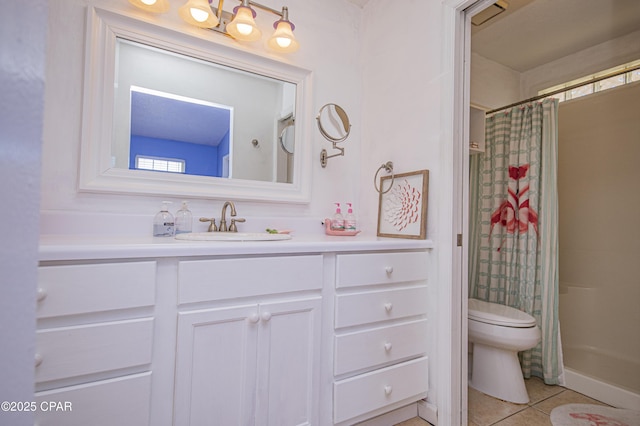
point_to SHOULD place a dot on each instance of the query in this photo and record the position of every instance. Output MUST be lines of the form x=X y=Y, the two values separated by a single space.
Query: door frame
x=457 y=56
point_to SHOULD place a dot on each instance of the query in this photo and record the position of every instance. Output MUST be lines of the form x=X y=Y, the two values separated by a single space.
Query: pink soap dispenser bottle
x=350 y=219
x=337 y=221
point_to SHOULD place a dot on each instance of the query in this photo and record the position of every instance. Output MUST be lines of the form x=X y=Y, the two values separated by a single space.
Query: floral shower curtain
x=513 y=257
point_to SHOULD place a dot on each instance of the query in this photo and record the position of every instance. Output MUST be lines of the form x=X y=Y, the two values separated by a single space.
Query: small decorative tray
x=329 y=231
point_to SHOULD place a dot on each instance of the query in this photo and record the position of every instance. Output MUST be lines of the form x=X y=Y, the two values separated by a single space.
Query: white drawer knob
x=387 y=346
x=42 y=294
x=266 y=316
x=388 y=270
x=38 y=359
x=253 y=318
x=388 y=307
x=387 y=390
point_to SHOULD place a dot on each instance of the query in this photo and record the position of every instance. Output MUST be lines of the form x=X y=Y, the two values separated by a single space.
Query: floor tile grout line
x=526 y=407
x=548 y=397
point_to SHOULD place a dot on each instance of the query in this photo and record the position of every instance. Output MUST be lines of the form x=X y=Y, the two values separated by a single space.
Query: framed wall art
x=402 y=209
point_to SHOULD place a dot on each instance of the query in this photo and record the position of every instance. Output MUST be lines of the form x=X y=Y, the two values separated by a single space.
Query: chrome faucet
x=222 y=227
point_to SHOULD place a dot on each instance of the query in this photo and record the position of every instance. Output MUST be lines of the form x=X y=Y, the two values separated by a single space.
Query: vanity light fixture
x=240 y=24
x=153 y=6
x=198 y=13
x=243 y=27
x=283 y=39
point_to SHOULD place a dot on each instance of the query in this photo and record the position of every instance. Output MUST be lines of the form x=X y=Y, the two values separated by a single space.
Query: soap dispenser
x=350 y=219
x=337 y=221
x=163 y=224
x=184 y=219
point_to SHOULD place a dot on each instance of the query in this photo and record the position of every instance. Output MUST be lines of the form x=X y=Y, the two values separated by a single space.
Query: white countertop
x=85 y=247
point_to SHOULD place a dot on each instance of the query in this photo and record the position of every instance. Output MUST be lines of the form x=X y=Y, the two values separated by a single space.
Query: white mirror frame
x=96 y=173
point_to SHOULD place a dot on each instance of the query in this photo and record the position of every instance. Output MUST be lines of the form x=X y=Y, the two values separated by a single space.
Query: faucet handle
x=233 y=227
x=212 y=225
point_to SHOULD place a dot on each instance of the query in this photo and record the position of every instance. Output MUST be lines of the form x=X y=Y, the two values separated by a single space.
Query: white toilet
x=498 y=333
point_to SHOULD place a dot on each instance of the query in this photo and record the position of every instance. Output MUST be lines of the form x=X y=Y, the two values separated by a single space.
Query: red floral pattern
x=598 y=419
x=515 y=213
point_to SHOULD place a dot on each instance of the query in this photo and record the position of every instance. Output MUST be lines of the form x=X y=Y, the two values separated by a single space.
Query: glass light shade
x=283 y=39
x=154 y=6
x=243 y=27
x=198 y=13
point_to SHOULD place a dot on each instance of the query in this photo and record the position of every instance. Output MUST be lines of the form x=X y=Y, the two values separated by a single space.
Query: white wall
x=329 y=34
x=22 y=61
x=588 y=61
x=492 y=84
x=406 y=107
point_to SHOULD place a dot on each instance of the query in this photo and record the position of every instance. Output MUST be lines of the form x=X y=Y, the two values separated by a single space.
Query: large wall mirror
x=169 y=111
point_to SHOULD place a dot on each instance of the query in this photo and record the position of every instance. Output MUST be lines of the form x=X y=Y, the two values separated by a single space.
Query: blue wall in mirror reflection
x=201 y=160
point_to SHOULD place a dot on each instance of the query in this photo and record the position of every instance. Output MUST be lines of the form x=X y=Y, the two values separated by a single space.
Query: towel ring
x=388 y=167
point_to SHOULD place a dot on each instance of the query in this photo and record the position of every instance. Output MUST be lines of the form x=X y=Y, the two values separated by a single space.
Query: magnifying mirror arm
x=333 y=117
x=324 y=155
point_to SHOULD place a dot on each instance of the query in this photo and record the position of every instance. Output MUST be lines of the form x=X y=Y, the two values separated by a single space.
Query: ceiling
x=531 y=33
x=359 y=2
x=154 y=116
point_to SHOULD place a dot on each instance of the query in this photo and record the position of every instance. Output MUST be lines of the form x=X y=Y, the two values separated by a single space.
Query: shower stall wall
x=599 y=201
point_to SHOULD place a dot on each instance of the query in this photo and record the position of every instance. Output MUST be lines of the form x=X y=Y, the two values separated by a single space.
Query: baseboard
x=428 y=411
x=609 y=394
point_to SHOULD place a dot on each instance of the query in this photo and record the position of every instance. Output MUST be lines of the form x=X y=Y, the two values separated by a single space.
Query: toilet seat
x=502 y=315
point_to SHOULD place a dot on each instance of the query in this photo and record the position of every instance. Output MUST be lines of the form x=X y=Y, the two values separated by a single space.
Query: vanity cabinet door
x=288 y=367
x=248 y=365
x=215 y=366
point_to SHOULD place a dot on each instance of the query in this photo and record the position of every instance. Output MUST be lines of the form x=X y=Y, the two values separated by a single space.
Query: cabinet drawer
x=373 y=306
x=77 y=289
x=368 y=392
x=202 y=280
x=380 y=268
x=121 y=401
x=86 y=349
x=364 y=349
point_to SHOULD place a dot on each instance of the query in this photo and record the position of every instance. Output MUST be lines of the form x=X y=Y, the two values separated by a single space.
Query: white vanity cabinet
x=303 y=332
x=380 y=333
x=248 y=341
x=94 y=343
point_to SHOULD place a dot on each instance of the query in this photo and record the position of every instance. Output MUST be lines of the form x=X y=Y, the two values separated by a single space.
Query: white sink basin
x=232 y=236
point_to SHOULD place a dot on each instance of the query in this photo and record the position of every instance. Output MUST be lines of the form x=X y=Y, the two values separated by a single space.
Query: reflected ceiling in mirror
x=133 y=65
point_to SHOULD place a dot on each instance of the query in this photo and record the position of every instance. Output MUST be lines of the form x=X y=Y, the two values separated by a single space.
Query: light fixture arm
x=267 y=8
x=219 y=11
x=225 y=17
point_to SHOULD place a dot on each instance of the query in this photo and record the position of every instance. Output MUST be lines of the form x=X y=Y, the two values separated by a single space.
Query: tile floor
x=487 y=411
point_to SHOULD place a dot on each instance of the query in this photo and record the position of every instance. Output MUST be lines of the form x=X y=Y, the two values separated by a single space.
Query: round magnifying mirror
x=287 y=138
x=333 y=123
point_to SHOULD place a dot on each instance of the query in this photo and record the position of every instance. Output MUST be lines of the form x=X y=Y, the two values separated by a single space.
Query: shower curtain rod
x=564 y=89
